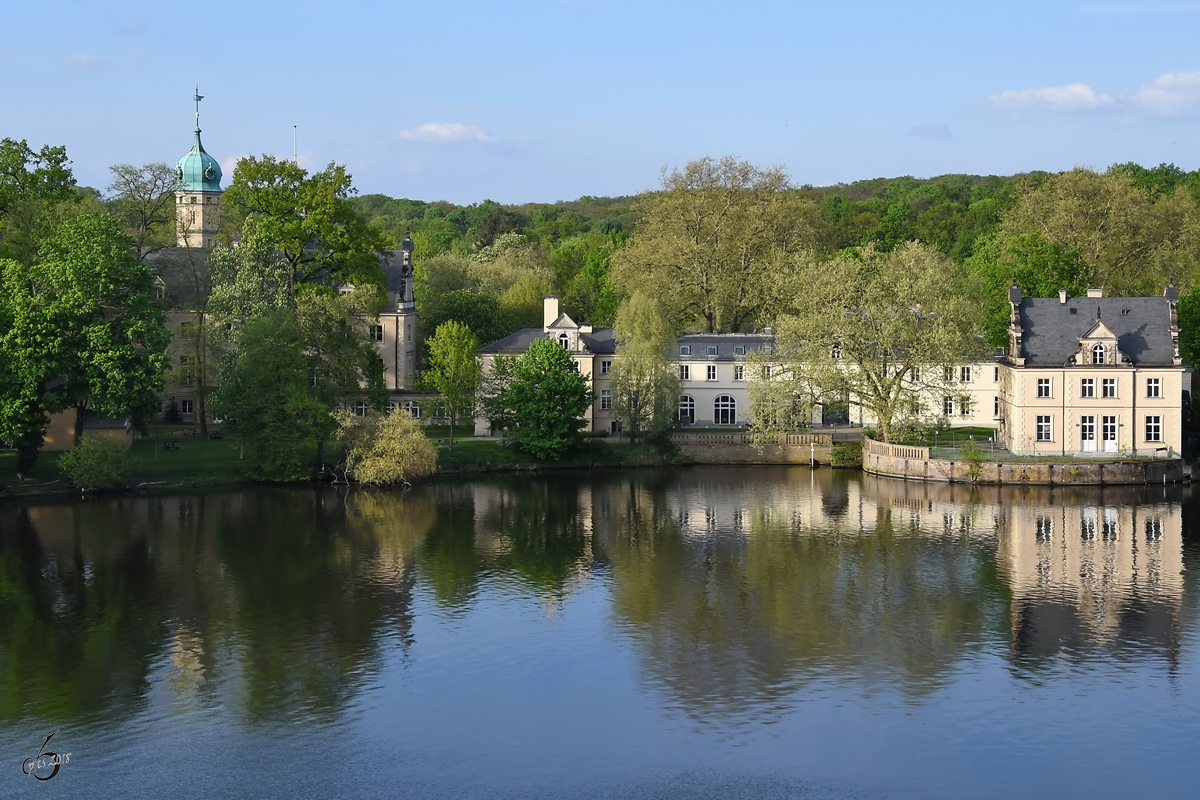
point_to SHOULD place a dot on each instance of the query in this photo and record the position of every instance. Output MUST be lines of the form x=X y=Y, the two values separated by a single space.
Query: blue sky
x=542 y=100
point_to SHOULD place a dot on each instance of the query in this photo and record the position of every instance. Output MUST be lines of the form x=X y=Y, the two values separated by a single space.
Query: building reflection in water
x=733 y=587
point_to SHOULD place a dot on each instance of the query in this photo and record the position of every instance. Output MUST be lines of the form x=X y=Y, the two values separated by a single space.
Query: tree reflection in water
x=737 y=603
x=735 y=587
x=302 y=588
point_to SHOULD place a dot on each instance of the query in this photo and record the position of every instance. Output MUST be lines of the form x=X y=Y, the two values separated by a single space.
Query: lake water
x=704 y=632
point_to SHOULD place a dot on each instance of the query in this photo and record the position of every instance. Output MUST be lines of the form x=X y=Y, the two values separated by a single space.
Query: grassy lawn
x=196 y=461
x=206 y=461
x=488 y=454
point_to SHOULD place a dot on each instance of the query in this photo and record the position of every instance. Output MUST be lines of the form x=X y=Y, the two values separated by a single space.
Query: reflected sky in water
x=745 y=632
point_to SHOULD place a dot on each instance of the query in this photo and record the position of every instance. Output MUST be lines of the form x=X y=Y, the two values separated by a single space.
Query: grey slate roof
x=600 y=341
x=724 y=342
x=1052 y=332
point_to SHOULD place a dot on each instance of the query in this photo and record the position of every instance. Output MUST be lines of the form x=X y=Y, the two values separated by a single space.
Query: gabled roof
x=1099 y=331
x=600 y=342
x=1052 y=330
x=564 y=321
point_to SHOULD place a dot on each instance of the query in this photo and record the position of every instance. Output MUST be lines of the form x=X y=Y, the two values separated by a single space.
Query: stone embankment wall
x=914 y=464
x=738 y=448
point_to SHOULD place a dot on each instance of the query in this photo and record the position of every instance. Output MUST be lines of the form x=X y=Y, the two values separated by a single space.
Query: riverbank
x=204 y=462
x=911 y=463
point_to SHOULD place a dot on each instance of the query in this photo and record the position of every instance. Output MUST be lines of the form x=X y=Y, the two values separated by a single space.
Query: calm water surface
x=706 y=632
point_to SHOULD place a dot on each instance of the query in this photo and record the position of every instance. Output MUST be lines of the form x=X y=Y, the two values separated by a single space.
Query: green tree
x=1188 y=314
x=81 y=330
x=31 y=183
x=1041 y=268
x=383 y=448
x=880 y=328
x=143 y=198
x=1127 y=238
x=493 y=393
x=547 y=399
x=644 y=382
x=481 y=313
x=268 y=400
x=454 y=369
x=307 y=219
x=708 y=243
x=781 y=399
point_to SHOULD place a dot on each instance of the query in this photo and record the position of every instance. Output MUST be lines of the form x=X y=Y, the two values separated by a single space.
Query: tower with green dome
x=197 y=192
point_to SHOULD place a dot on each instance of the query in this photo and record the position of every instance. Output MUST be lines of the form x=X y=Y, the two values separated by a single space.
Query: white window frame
x=685 y=349
x=965 y=374
x=1154 y=387
x=725 y=410
x=948 y=406
x=605 y=399
x=1087 y=387
x=605 y=366
x=375 y=333
x=360 y=408
x=187 y=407
x=1045 y=428
x=711 y=350
x=687 y=405
x=685 y=372
x=739 y=350
x=1045 y=387
x=1153 y=429
x=1108 y=388
x=1098 y=354
x=739 y=372
x=710 y=372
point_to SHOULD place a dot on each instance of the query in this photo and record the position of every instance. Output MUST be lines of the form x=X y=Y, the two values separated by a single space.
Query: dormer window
x=1097 y=354
x=565 y=341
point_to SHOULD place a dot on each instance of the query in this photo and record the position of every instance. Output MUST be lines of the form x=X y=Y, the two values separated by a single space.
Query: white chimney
x=549 y=311
x=1095 y=293
x=1062 y=297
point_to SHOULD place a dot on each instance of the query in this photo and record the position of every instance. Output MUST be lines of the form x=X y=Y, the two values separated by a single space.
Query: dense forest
x=1129 y=228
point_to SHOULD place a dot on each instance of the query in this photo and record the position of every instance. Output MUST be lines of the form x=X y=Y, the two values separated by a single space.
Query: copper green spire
x=198 y=171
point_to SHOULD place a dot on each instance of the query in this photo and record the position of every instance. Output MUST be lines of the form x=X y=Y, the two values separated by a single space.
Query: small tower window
x=1097 y=354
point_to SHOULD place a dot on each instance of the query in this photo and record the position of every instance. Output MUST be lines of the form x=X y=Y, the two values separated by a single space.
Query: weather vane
x=197 y=97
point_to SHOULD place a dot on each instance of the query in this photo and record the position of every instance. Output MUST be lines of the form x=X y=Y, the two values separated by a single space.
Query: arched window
x=725 y=410
x=413 y=409
x=687 y=409
x=565 y=341
x=1097 y=354
x=360 y=408
x=835 y=352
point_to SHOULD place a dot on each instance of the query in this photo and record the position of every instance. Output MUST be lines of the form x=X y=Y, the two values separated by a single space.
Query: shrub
x=973 y=456
x=99 y=462
x=384 y=448
x=846 y=454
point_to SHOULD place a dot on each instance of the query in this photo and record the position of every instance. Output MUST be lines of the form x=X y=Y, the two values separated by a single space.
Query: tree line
x=891 y=275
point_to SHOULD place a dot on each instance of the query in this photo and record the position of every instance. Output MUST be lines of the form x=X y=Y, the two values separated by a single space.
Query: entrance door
x=836 y=412
x=1108 y=433
x=1087 y=434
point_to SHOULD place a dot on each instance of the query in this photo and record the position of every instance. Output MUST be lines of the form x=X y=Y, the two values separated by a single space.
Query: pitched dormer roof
x=563 y=321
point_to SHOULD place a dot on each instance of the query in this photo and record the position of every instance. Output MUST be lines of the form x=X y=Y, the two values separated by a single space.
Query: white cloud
x=1170 y=95
x=931 y=130
x=1067 y=99
x=446 y=132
